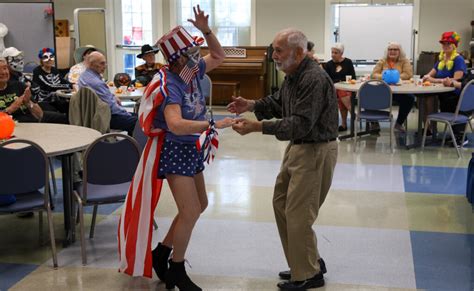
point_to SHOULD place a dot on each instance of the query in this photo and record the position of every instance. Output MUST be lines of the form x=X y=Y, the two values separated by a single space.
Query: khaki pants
x=301 y=188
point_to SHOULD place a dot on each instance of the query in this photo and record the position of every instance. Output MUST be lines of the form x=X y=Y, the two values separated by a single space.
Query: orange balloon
x=7 y=125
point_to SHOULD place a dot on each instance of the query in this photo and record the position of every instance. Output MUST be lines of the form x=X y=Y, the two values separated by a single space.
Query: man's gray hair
x=296 y=38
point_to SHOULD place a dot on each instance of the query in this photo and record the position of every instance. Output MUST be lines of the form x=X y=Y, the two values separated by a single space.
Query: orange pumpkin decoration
x=7 y=125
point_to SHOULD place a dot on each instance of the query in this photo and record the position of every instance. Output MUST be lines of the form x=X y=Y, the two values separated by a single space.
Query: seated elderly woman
x=395 y=58
x=338 y=68
x=450 y=65
x=50 y=80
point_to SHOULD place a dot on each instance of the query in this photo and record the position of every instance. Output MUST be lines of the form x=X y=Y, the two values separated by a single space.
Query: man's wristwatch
x=207 y=33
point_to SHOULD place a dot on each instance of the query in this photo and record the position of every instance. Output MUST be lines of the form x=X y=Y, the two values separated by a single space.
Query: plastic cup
x=417 y=80
x=348 y=78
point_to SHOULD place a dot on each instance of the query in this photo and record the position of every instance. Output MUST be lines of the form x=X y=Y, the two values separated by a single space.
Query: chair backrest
x=88 y=110
x=139 y=136
x=466 y=99
x=25 y=167
x=111 y=159
x=206 y=86
x=374 y=95
x=29 y=67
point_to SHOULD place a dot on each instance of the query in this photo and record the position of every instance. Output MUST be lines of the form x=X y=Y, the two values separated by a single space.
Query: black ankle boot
x=176 y=276
x=160 y=256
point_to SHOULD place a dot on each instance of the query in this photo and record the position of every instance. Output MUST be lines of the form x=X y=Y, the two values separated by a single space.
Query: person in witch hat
x=144 y=73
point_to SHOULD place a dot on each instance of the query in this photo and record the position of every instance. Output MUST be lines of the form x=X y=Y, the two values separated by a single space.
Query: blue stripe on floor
x=12 y=273
x=443 y=261
x=437 y=180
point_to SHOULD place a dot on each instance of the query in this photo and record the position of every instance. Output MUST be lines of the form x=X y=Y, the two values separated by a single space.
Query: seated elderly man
x=144 y=73
x=96 y=65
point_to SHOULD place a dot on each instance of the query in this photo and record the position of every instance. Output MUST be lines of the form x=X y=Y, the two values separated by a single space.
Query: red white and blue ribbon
x=209 y=142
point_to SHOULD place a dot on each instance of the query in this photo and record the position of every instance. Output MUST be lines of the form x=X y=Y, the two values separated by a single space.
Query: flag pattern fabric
x=208 y=142
x=175 y=42
x=136 y=221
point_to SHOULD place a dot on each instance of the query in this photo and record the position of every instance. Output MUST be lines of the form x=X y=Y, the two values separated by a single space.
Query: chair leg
x=391 y=132
x=355 y=136
x=40 y=227
x=77 y=216
x=53 y=177
x=94 y=215
x=464 y=134
x=425 y=131
x=454 y=141
x=83 y=239
x=444 y=134
x=155 y=225
x=51 y=237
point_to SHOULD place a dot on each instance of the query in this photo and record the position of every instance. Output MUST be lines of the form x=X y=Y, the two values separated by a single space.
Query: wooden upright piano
x=243 y=73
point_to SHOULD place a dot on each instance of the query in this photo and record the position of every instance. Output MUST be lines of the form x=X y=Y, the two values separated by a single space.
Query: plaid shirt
x=305 y=105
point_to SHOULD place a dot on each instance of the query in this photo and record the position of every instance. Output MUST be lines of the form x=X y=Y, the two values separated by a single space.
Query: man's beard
x=290 y=61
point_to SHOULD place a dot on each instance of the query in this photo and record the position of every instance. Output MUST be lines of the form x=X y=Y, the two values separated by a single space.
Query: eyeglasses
x=393 y=49
x=47 y=57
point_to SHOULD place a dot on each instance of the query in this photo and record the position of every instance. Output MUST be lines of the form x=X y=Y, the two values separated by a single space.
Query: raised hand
x=200 y=21
x=226 y=122
x=239 y=105
x=27 y=95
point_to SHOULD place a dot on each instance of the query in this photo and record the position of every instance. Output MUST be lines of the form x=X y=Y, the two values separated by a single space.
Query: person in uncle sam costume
x=172 y=115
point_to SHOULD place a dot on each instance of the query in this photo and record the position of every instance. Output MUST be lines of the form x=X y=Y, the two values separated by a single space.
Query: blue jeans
x=124 y=122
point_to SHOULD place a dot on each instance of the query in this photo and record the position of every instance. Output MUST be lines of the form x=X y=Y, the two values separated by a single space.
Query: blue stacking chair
x=465 y=104
x=206 y=87
x=25 y=174
x=108 y=168
x=375 y=104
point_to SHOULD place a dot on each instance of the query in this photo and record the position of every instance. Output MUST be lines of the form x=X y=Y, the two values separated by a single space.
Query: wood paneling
x=247 y=75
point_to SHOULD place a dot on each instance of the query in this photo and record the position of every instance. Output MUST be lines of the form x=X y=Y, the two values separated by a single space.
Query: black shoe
x=459 y=141
x=25 y=214
x=286 y=275
x=176 y=276
x=160 y=256
x=314 y=282
x=374 y=127
x=341 y=128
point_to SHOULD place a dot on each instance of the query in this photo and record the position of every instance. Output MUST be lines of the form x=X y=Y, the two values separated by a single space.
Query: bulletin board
x=30 y=27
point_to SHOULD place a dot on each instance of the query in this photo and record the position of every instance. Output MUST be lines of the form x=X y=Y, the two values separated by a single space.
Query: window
x=230 y=20
x=136 y=31
x=136 y=22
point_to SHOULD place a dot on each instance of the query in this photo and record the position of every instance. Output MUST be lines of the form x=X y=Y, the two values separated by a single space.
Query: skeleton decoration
x=15 y=59
x=3 y=33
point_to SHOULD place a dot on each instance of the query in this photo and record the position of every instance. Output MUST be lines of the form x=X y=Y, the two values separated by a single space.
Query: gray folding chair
x=465 y=104
x=109 y=165
x=26 y=174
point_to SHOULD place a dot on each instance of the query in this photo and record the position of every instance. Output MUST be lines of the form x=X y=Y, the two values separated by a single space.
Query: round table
x=60 y=140
x=57 y=139
x=134 y=95
x=405 y=87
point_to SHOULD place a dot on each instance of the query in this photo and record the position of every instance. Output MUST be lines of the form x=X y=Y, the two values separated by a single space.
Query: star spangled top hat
x=177 y=41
